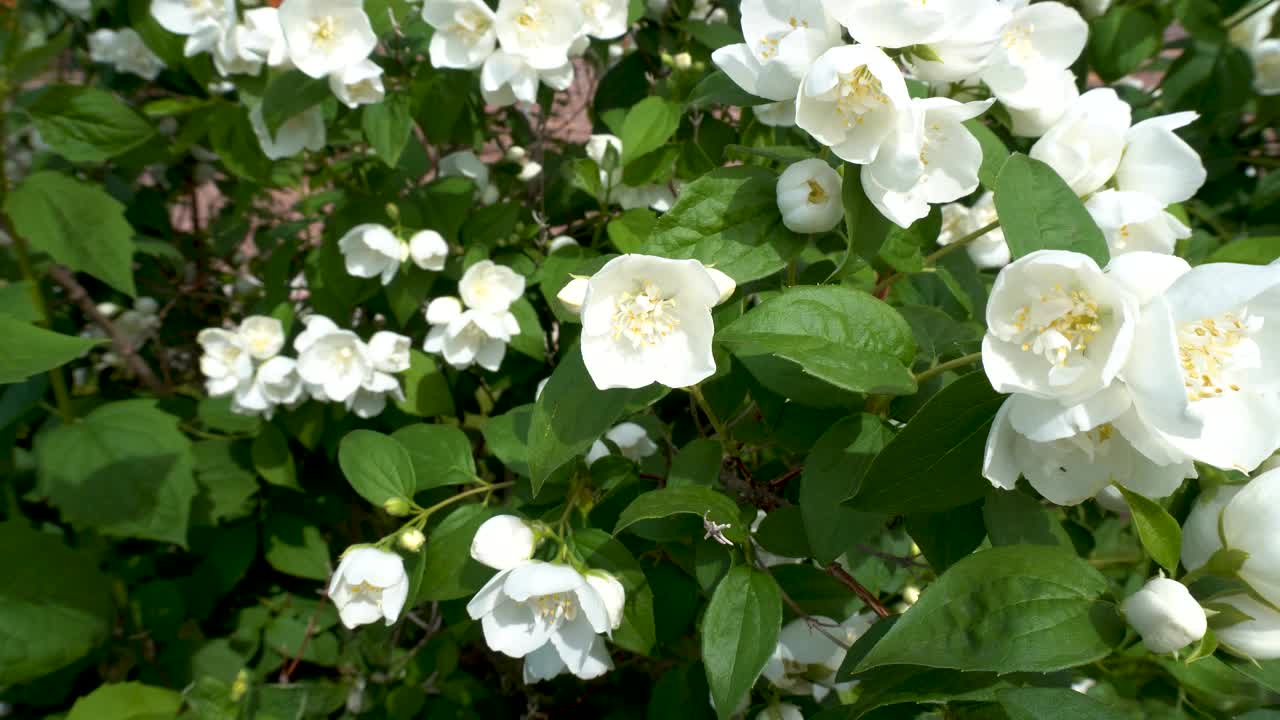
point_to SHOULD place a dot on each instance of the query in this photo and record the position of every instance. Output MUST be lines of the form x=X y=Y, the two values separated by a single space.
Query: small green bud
x=393 y=212
x=396 y=507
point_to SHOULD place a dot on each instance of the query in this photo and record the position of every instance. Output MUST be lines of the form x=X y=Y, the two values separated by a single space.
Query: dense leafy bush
x=649 y=359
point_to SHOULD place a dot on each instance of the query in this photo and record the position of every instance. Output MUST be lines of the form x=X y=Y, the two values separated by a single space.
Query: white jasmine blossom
x=1135 y=222
x=371 y=250
x=370 y=399
x=541 y=32
x=468 y=337
x=389 y=352
x=611 y=592
x=428 y=250
x=369 y=585
x=264 y=23
x=263 y=336
x=850 y=100
x=1257 y=638
x=464 y=32
x=358 y=84
x=631 y=439
x=1158 y=163
x=782 y=41
x=326 y=36
x=503 y=542
x=305 y=130
x=899 y=23
x=1057 y=93
x=605 y=19
x=1085 y=147
x=225 y=362
x=1039 y=42
x=809 y=196
x=490 y=287
x=966 y=48
x=336 y=364
x=1166 y=616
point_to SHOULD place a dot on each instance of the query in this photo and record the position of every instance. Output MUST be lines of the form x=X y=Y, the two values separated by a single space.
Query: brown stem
x=77 y=294
x=865 y=595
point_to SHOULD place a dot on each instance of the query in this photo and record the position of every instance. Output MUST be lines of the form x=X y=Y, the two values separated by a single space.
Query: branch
x=865 y=595
x=80 y=296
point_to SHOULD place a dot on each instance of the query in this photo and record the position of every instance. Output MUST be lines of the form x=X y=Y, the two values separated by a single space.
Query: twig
x=785 y=477
x=865 y=595
x=937 y=370
x=80 y=296
x=302 y=646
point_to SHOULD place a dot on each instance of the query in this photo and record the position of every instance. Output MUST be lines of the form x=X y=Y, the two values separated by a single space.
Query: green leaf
x=935 y=462
x=832 y=473
x=272 y=458
x=507 y=436
x=600 y=551
x=1160 y=533
x=697 y=463
x=127 y=701
x=1054 y=704
x=1248 y=250
x=685 y=500
x=30 y=350
x=387 y=126
x=289 y=94
x=714 y=35
x=947 y=537
x=837 y=334
x=866 y=226
x=649 y=125
x=629 y=230
x=232 y=139
x=571 y=414
x=994 y=153
x=717 y=89
x=739 y=633
x=426 y=390
x=1015 y=518
x=35 y=60
x=1039 y=211
x=901 y=685
x=729 y=219
x=1121 y=40
x=55 y=606
x=124 y=469
x=377 y=466
x=88 y=125
x=296 y=547
x=77 y=224
x=227 y=484
x=448 y=571
x=441 y=455
x=1013 y=609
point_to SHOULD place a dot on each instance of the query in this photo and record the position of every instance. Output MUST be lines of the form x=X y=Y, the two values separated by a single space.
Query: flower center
x=1215 y=352
x=859 y=93
x=1059 y=326
x=644 y=317
x=366 y=592
x=555 y=608
x=817 y=194
x=1017 y=40
x=324 y=30
x=259 y=344
x=470 y=23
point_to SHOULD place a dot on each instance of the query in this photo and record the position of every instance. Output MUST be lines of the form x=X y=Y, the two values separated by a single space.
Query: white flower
x=264 y=22
x=304 y=130
x=225 y=362
x=369 y=585
x=632 y=441
x=966 y=49
x=1253 y=30
x=503 y=542
x=507 y=79
x=471 y=337
x=1249 y=523
x=1166 y=615
x=490 y=287
x=809 y=196
x=781 y=711
x=778 y=114
x=899 y=23
x=125 y=50
x=389 y=352
x=850 y=99
x=82 y=9
x=1071 y=453
x=573 y=294
x=203 y=19
x=806 y=660
x=1201 y=536
x=1266 y=67
x=647 y=319
x=370 y=399
x=263 y=336
x=606 y=150
x=544 y=612
x=931 y=159
x=561 y=242
x=782 y=41
x=539 y=31
x=1039 y=42
x=611 y=592
x=358 y=84
x=1056 y=94
x=1206 y=376
x=1256 y=639
x=989 y=251
x=1085 y=147
x=1135 y=222
x=336 y=364
x=428 y=250
x=464 y=35
x=1158 y=163
x=279 y=382
x=605 y=19
x=464 y=163
x=371 y=250
x=237 y=51
x=326 y=36
x=1058 y=328
x=314 y=328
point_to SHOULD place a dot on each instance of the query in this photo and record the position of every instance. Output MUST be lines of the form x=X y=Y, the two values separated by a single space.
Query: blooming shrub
x=639 y=359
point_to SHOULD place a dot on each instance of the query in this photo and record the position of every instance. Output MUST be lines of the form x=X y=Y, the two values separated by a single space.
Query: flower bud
x=503 y=542
x=428 y=250
x=573 y=295
x=682 y=61
x=412 y=539
x=1166 y=615
x=516 y=154
x=611 y=592
x=809 y=197
x=724 y=284
x=396 y=507
x=1256 y=639
x=560 y=242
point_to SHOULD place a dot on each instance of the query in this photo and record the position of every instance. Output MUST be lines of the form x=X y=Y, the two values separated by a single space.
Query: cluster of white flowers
x=553 y=615
x=1130 y=374
x=124 y=50
x=522 y=44
x=371 y=250
x=475 y=328
x=647 y=319
x=333 y=365
x=1253 y=35
x=606 y=152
